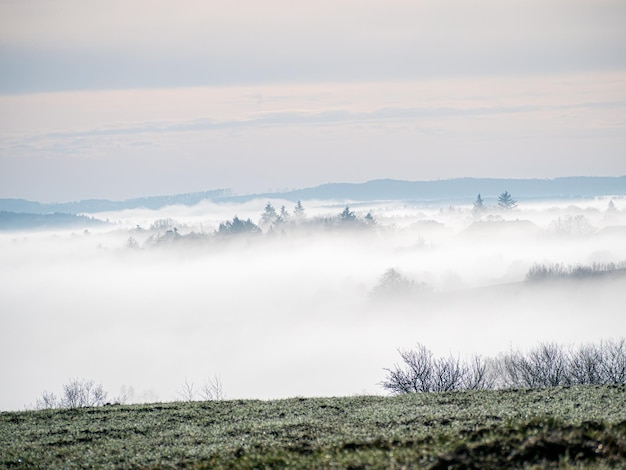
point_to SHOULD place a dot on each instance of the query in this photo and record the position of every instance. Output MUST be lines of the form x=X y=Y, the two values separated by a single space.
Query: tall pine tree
x=506 y=201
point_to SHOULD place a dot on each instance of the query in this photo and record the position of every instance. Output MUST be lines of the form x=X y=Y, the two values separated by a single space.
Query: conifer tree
x=269 y=215
x=347 y=215
x=506 y=201
x=479 y=205
x=299 y=210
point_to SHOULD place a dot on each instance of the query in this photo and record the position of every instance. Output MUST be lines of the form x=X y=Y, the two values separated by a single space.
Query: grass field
x=582 y=426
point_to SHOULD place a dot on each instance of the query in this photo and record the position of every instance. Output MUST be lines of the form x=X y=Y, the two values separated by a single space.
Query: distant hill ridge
x=453 y=190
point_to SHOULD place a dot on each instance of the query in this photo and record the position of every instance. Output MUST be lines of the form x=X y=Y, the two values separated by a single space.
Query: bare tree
x=515 y=370
x=127 y=395
x=212 y=389
x=573 y=225
x=550 y=364
x=162 y=225
x=481 y=374
x=417 y=375
x=186 y=392
x=48 y=400
x=79 y=393
x=544 y=366
x=449 y=374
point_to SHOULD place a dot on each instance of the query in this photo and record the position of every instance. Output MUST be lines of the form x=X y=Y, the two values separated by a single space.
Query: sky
x=122 y=99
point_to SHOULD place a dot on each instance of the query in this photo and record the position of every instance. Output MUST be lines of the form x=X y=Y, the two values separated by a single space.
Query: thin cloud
x=88 y=46
x=335 y=116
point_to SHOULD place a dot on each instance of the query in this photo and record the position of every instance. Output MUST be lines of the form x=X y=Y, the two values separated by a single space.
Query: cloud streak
x=249 y=138
x=253 y=95
x=81 y=45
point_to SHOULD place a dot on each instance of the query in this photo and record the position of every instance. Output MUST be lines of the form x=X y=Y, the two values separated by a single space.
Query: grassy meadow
x=560 y=427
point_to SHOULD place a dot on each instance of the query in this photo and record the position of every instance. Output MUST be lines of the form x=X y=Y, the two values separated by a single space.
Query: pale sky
x=120 y=99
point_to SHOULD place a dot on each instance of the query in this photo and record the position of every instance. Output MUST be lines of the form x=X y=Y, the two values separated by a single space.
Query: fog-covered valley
x=313 y=304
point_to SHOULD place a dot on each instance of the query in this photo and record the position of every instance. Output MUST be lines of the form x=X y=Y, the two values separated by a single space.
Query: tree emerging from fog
x=369 y=219
x=238 y=226
x=347 y=215
x=573 y=226
x=506 y=201
x=298 y=211
x=269 y=216
x=393 y=284
x=479 y=205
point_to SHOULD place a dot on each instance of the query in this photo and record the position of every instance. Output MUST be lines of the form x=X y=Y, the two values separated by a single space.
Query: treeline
x=556 y=271
x=25 y=221
x=271 y=221
x=546 y=365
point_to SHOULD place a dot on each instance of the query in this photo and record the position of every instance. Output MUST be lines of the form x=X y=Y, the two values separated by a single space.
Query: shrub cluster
x=550 y=364
x=79 y=393
x=546 y=365
x=76 y=394
x=422 y=372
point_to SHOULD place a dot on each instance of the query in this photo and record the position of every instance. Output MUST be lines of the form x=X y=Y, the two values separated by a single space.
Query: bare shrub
x=613 y=364
x=585 y=365
x=417 y=374
x=76 y=394
x=448 y=374
x=543 y=366
x=546 y=365
x=481 y=374
x=550 y=364
x=542 y=272
x=515 y=371
x=422 y=372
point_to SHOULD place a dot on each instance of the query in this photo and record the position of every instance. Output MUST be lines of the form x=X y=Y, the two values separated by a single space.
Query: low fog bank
x=311 y=306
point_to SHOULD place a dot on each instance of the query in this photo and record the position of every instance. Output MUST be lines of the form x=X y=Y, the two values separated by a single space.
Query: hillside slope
x=451 y=190
x=583 y=425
